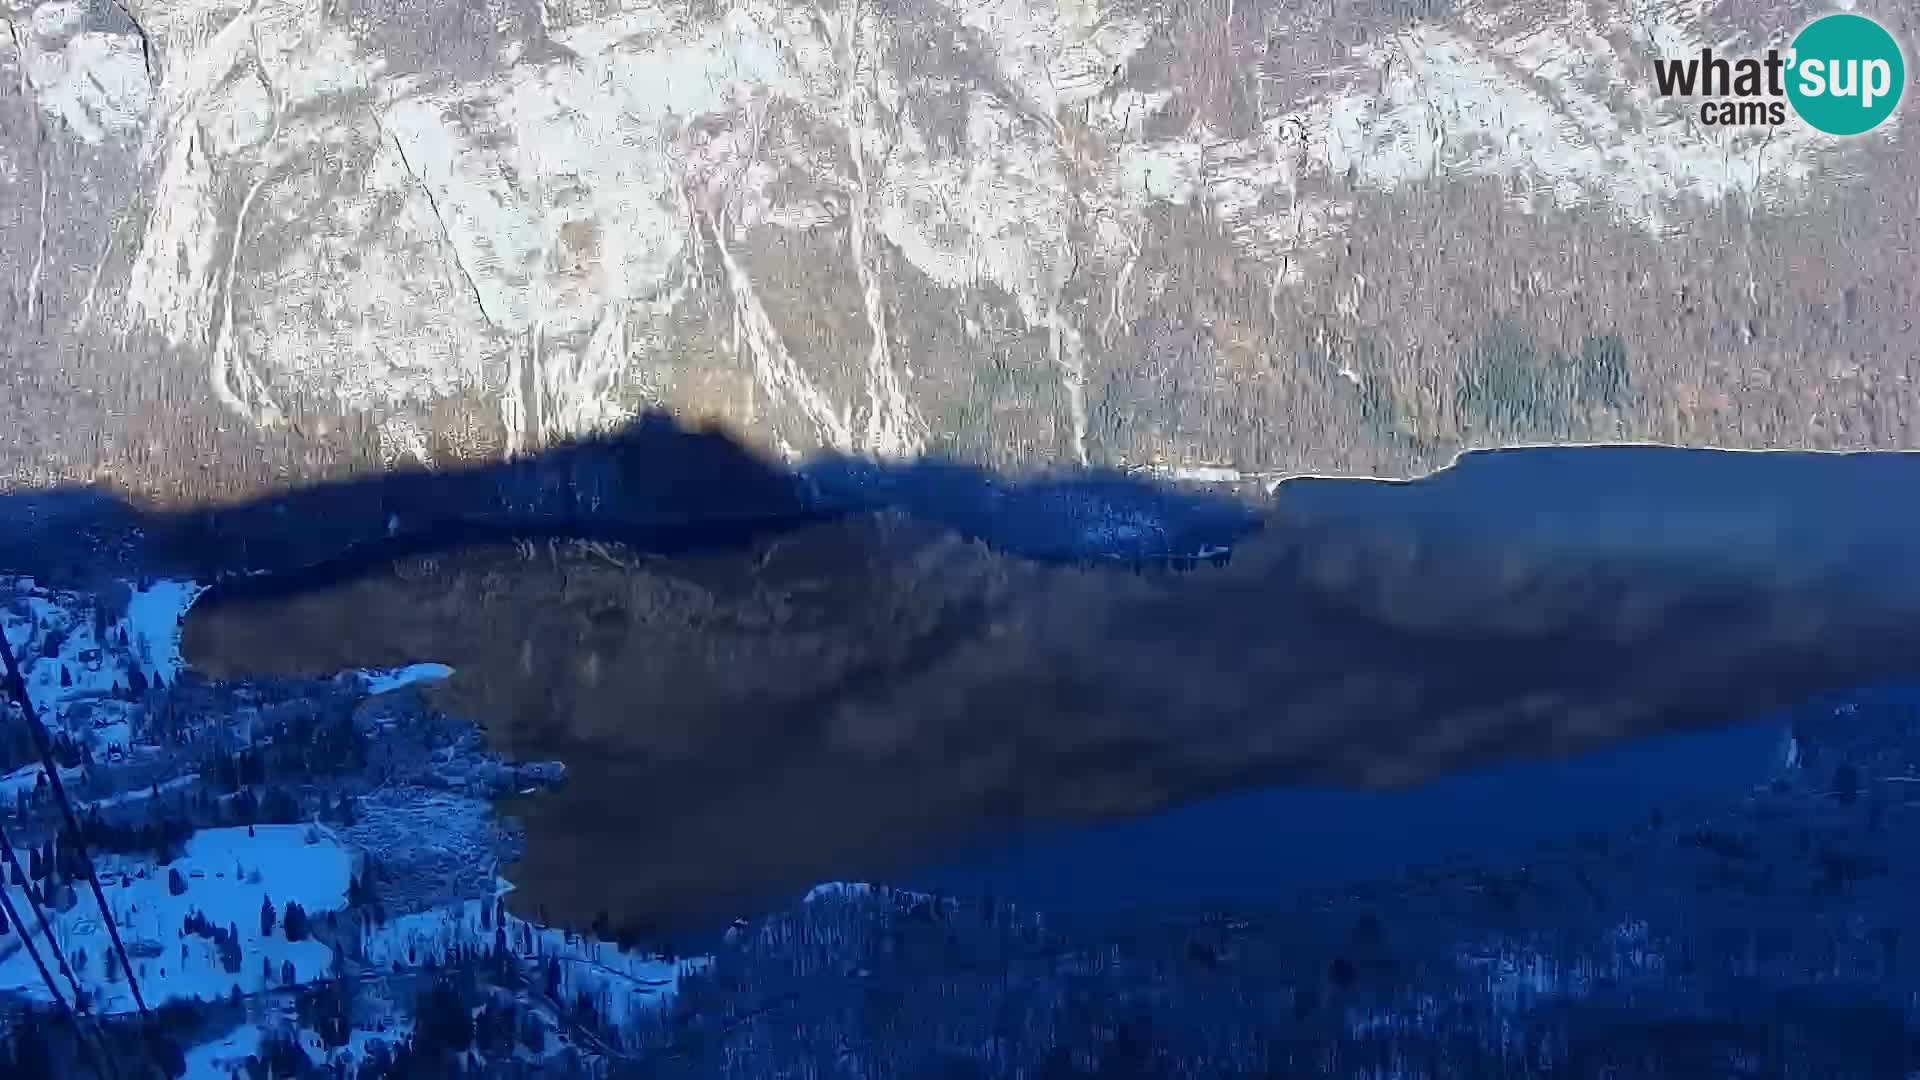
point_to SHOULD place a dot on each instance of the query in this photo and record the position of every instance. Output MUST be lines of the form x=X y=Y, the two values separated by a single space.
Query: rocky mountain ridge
x=1274 y=238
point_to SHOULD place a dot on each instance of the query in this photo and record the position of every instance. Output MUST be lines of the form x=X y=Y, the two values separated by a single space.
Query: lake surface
x=857 y=692
x=1244 y=849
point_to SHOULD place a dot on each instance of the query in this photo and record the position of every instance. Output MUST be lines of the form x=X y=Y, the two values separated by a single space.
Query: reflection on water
x=848 y=696
x=1240 y=849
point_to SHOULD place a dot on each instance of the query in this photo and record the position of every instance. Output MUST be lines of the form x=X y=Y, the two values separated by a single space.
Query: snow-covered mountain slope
x=87 y=645
x=1022 y=230
x=228 y=875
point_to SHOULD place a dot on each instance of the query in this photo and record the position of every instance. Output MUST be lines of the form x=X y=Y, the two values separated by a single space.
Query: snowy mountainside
x=1019 y=231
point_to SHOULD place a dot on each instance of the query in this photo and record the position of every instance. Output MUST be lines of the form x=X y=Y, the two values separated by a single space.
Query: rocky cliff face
x=245 y=243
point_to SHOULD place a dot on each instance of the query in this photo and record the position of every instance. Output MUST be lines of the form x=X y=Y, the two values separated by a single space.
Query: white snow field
x=228 y=874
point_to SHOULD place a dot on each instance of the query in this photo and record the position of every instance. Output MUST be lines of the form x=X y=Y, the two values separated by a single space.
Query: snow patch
x=1451 y=105
x=27 y=777
x=848 y=890
x=385 y=681
x=57 y=20
x=154 y=617
x=1551 y=102
x=624 y=983
x=96 y=84
x=228 y=873
x=1206 y=474
x=999 y=213
x=1056 y=52
x=178 y=783
x=172 y=280
x=222 y=1057
x=72 y=650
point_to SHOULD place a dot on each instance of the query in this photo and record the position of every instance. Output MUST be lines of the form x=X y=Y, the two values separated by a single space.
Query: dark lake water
x=1241 y=850
x=1530 y=644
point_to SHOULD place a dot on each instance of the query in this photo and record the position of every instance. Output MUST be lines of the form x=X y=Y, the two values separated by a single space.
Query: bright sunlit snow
x=153 y=620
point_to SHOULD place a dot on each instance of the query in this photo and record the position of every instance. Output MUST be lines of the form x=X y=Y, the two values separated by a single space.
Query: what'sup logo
x=1843 y=75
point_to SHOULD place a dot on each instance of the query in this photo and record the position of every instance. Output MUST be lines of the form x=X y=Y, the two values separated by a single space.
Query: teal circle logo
x=1847 y=74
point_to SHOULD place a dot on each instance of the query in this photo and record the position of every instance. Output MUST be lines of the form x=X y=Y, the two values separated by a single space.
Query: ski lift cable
x=12 y=859
x=16 y=687
x=33 y=951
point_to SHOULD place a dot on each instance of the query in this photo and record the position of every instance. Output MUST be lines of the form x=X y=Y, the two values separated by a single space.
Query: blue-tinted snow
x=387 y=680
x=228 y=873
x=623 y=982
x=55 y=631
x=153 y=619
x=219 y=1058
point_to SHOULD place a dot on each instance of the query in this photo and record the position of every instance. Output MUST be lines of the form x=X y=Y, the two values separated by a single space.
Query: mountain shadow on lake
x=653 y=485
x=908 y=655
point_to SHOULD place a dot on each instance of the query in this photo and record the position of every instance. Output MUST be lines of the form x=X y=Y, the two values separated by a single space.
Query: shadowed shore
x=837 y=697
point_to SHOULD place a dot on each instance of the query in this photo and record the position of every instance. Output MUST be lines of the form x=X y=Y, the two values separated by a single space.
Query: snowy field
x=621 y=982
x=99 y=645
x=228 y=874
x=218 y=1059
